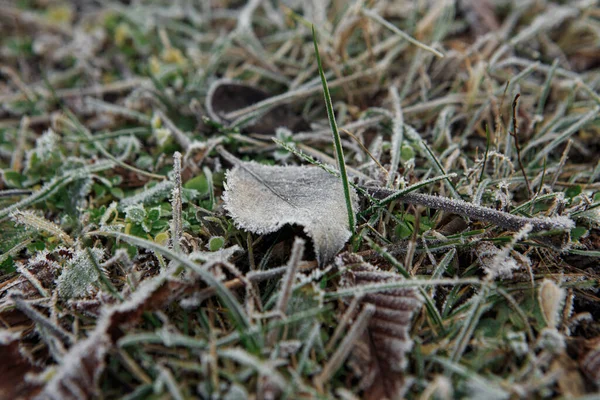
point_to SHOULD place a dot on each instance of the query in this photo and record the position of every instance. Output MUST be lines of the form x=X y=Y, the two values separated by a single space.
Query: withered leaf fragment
x=380 y=354
x=590 y=361
x=14 y=367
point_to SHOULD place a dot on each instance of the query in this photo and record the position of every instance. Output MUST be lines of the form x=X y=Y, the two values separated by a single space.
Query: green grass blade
x=53 y=186
x=82 y=130
x=336 y=137
x=413 y=136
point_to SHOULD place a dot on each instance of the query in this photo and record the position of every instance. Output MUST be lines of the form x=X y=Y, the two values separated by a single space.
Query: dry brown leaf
x=41 y=270
x=13 y=368
x=590 y=362
x=226 y=96
x=570 y=381
x=380 y=354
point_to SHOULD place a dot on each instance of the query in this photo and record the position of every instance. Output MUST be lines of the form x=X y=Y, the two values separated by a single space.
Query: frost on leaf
x=380 y=354
x=46 y=147
x=219 y=256
x=262 y=199
x=159 y=191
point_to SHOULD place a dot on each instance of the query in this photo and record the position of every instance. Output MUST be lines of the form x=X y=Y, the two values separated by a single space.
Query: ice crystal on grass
x=499 y=262
x=28 y=218
x=159 y=191
x=176 y=204
x=221 y=255
x=45 y=148
x=262 y=199
x=80 y=275
x=110 y=213
x=486 y=214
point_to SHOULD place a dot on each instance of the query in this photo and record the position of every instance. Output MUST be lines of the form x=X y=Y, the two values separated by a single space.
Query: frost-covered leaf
x=135 y=213
x=263 y=198
x=380 y=354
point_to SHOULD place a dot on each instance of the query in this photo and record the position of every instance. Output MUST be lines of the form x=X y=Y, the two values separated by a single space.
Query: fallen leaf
x=226 y=96
x=14 y=367
x=379 y=355
x=79 y=277
x=590 y=362
x=569 y=379
x=262 y=199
